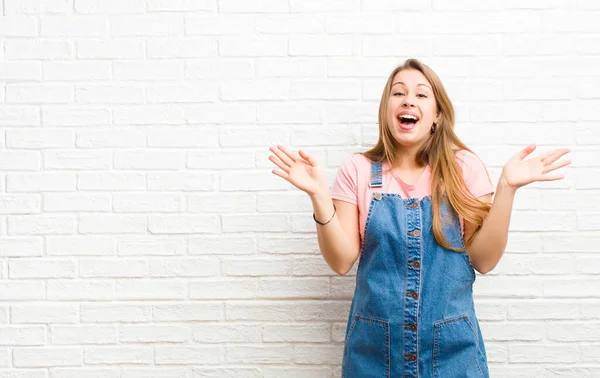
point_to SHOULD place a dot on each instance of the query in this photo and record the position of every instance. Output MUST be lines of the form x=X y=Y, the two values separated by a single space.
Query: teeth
x=406 y=116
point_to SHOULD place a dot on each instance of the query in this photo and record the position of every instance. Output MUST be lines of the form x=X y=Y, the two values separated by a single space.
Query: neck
x=406 y=158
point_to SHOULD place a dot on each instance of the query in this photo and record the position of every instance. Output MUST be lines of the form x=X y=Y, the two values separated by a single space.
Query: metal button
x=415 y=264
x=377 y=196
x=410 y=357
x=413 y=294
x=412 y=327
x=415 y=233
x=414 y=205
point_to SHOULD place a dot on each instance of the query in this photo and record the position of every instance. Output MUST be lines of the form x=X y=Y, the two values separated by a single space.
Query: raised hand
x=518 y=172
x=301 y=170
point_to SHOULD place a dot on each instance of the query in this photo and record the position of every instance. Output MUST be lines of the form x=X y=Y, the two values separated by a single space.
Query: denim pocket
x=456 y=349
x=367 y=348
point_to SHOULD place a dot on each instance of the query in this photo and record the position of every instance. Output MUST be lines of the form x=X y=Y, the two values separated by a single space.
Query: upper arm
x=345 y=195
x=470 y=227
x=348 y=216
x=477 y=182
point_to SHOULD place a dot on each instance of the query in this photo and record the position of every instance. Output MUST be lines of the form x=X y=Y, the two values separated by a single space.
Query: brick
x=112 y=223
x=83 y=334
x=188 y=311
x=188 y=355
x=41 y=224
x=20 y=71
x=116 y=268
x=39 y=138
x=235 y=46
x=77 y=159
x=41 y=268
x=73 y=26
x=79 y=290
x=155 y=333
x=75 y=116
x=155 y=289
x=147 y=25
x=218 y=24
x=189 y=47
x=47 y=357
x=13 y=7
x=181 y=5
x=38 y=49
x=20 y=204
x=56 y=313
x=189 y=267
x=118 y=354
x=23 y=335
x=193 y=136
x=110 y=6
x=121 y=48
x=115 y=312
x=109 y=94
x=21 y=247
x=19 y=26
x=67 y=202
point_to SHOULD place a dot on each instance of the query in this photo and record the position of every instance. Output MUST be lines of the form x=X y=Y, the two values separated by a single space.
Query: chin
x=409 y=139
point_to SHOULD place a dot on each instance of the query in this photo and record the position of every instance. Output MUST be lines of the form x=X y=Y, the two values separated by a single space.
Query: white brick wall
x=143 y=235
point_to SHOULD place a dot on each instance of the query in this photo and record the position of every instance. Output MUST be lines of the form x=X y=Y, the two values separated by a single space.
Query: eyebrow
x=400 y=82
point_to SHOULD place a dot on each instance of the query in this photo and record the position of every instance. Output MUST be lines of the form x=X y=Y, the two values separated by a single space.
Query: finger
x=524 y=152
x=556 y=166
x=550 y=157
x=551 y=178
x=281 y=155
x=280 y=173
x=278 y=163
x=309 y=159
x=293 y=157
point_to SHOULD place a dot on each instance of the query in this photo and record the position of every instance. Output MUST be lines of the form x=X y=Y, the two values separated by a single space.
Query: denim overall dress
x=412 y=314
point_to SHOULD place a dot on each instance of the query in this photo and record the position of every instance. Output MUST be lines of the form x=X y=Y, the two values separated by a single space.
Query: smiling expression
x=411 y=108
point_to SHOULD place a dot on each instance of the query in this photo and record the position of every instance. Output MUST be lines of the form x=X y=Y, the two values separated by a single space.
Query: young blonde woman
x=416 y=210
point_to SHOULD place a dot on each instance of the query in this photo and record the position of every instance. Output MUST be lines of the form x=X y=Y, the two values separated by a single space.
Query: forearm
x=338 y=251
x=490 y=242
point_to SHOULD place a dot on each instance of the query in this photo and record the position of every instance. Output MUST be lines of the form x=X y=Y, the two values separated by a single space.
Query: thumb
x=309 y=159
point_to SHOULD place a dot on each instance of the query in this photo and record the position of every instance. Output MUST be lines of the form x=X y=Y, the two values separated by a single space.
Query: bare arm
x=489 y=244
x=338 y=239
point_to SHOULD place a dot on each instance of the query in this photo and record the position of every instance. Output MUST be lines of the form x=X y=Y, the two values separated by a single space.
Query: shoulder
x=469 y=161
x=356 y=162
x=474 y=173
x=466 y=158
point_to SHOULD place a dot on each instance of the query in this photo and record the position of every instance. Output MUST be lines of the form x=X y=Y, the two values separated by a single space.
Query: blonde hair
x=438 y=151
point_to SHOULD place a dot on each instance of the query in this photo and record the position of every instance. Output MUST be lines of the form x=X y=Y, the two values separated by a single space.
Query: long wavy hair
x=438 y=151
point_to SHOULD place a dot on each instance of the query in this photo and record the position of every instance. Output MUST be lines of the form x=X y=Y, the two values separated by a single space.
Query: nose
x=407 y=102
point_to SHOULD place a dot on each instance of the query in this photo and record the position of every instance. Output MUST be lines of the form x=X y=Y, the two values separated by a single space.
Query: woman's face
x=411 y=109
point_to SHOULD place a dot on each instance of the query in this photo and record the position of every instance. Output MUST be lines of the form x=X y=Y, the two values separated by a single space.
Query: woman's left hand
x=518 y=172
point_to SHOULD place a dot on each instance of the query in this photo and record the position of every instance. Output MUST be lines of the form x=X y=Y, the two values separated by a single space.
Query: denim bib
x=412 y=313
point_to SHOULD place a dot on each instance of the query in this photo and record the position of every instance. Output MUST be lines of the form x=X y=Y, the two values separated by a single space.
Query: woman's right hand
x=302 y=170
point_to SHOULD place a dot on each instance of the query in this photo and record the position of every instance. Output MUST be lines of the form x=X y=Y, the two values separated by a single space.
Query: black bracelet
x=323 y=224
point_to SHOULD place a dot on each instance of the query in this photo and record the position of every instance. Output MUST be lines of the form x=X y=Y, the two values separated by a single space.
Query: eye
x=398 y=94
x=422 y=96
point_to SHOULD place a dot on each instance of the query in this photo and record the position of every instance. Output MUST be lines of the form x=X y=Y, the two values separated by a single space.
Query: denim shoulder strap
x=376 y=179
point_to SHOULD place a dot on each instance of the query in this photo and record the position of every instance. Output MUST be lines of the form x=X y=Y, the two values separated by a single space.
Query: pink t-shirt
x=351 y=183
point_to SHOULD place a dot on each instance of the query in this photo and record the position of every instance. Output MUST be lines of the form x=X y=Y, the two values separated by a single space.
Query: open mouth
x=407 y=120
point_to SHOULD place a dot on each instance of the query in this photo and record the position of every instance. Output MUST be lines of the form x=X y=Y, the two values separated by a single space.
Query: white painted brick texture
x=142 y=233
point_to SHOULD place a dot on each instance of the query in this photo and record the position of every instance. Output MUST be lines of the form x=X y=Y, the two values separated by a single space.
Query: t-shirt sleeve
x=344 y=186
x=475 y=174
